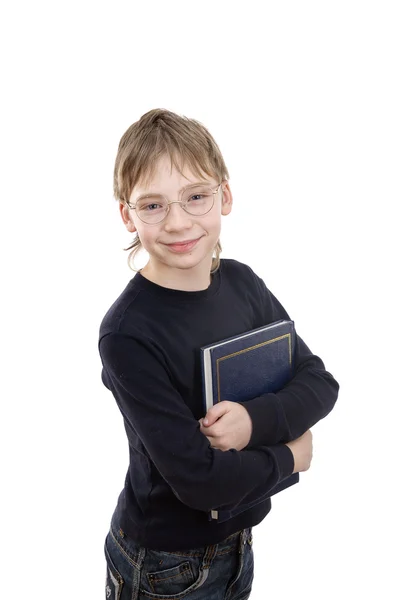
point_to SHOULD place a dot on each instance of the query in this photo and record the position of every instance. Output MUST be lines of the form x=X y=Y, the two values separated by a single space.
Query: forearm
x=232 y=476
x=158 y=421
x=305 y=400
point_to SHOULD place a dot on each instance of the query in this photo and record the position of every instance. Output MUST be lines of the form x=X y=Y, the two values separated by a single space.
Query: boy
x=172 y=186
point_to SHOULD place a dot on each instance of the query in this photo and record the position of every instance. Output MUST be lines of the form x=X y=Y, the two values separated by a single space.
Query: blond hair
x=160 y=132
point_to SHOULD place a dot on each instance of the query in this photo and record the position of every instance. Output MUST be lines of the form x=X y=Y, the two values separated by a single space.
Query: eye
x=151 y=204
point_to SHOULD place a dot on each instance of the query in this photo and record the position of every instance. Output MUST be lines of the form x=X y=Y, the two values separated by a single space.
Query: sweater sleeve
x=202 y=477
x=306 y=399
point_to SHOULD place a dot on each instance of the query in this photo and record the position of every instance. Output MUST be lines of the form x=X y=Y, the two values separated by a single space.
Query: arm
x=305 y=400
x=308 y=397
x=201 y=477
x=278 y=417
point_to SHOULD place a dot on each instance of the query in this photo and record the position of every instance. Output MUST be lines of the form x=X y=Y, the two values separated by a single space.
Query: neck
x=188 y=280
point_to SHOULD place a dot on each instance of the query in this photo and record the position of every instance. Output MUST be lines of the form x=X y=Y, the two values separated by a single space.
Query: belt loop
x=241 y=541
x=244 y=536
x=141 y=557
x=210 y=553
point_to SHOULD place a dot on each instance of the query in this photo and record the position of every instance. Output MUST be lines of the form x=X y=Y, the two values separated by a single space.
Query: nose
x=177 y=218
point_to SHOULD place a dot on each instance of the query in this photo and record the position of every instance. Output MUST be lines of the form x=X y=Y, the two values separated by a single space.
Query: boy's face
x=178 y=226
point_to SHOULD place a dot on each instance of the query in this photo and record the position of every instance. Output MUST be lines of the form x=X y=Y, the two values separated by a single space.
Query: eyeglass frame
x=133 y=207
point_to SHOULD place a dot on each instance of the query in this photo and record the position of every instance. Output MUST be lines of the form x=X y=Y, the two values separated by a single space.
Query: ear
x=127 y=220
x=227 y=199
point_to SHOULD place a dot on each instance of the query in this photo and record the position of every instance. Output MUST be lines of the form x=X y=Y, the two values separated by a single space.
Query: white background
x=302 y=98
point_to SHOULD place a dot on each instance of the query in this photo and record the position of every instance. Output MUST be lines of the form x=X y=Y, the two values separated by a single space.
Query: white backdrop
x=302 y=99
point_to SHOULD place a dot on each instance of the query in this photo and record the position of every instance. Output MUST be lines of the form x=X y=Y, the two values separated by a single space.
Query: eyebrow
x=181 y=190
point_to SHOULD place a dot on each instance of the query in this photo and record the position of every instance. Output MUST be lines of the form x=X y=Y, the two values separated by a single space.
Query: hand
x=228 y=425
x=302 y=452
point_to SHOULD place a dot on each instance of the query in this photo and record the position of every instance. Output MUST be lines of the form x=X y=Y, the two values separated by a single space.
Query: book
x=246 y=366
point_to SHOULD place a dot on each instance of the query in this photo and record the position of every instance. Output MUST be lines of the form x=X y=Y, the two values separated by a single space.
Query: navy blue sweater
x=149 y=344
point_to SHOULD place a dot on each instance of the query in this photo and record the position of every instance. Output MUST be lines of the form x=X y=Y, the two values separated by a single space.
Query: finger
x=214 y=413
x=210 y=432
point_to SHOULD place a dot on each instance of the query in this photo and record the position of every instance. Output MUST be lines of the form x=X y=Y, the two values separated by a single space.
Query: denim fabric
x=222 y=571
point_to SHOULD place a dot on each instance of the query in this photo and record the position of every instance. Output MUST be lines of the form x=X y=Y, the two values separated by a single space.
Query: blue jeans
x=222 y=571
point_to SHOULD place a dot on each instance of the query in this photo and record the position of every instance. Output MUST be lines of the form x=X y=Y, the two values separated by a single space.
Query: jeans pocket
x=171 y=581
x=114 y=581
x=171 y=575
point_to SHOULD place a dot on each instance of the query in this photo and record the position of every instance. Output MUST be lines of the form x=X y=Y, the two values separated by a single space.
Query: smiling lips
x=183 y=246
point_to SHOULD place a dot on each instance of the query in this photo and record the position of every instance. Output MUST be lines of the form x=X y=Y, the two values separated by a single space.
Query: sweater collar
x=178 y=295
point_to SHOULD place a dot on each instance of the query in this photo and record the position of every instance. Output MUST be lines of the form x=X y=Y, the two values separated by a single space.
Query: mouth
x=183 y=246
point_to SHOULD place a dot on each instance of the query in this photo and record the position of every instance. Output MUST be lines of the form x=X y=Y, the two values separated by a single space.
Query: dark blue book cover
x=249 y=365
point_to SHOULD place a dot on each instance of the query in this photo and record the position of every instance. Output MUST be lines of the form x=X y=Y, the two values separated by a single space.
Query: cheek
x=147 y=237
x=215 y=225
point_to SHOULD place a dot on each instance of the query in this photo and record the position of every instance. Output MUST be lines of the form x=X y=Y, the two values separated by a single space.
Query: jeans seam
x=183 y=570
x=129 y=558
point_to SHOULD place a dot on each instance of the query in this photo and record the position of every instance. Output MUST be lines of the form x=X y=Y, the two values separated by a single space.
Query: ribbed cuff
x=267 y=422
x=284 y=458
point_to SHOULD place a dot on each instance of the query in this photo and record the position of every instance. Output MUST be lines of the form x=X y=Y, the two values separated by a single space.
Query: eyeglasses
x=197 y=200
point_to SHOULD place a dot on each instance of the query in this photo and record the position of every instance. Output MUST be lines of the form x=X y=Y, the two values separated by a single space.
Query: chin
x=187 y=261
